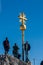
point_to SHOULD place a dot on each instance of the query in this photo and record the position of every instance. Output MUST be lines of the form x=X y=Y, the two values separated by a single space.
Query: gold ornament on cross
x=22 y=17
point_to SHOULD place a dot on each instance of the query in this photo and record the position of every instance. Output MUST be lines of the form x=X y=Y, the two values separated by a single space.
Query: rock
x=10 y=60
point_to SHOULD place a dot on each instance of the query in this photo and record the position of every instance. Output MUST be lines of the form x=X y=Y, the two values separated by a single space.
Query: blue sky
x=10 y=25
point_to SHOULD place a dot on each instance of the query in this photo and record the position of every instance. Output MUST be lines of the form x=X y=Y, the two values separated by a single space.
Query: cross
x=22 y=18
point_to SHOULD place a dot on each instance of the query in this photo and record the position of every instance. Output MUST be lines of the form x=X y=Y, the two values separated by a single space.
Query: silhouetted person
x=15 y=51
x=26 y=48
x=41 y=63
x=6 y=45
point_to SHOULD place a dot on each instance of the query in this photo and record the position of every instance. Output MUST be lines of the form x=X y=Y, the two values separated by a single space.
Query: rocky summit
x=10 y=60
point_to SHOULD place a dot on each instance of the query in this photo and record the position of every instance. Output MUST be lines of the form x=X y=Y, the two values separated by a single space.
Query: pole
x=22 y=45
x=34 y=61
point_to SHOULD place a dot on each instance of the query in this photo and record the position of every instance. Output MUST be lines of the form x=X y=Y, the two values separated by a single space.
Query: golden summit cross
x=22 y=18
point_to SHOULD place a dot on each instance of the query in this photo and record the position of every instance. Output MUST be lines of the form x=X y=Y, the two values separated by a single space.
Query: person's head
x=41 y=62
x=6 y=38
